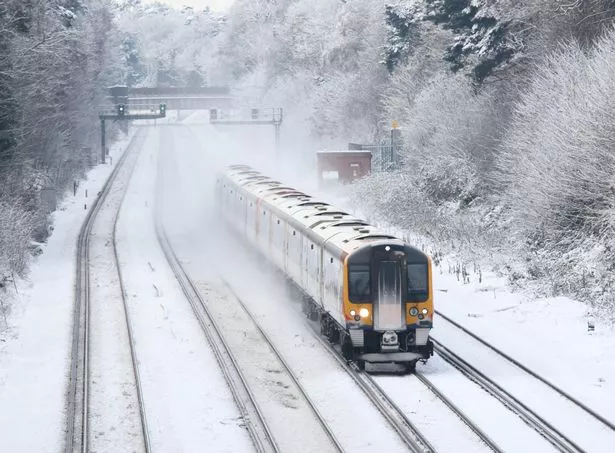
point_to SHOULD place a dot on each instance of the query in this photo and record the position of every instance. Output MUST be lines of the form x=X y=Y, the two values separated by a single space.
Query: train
x=371 y=292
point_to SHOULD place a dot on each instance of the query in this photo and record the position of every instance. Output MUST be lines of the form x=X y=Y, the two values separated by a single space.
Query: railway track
x=562 y=441
x=258 y=426
x=459 y=413
x=131 y=340
x=78 y=396
x=253 y=418
x=406 y=430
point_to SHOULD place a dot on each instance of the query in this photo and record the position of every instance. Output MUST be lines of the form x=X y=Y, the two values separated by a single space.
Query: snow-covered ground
x=35 y=351
x=206 y=251
x=114 y=416
x=188 y=404
x=548 y=335
x=186 y=398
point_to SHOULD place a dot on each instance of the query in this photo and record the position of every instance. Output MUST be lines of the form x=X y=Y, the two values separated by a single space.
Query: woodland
x=505 y=109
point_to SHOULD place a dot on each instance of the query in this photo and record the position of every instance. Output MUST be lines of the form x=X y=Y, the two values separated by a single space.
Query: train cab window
x=359 y=283
x=418 y=290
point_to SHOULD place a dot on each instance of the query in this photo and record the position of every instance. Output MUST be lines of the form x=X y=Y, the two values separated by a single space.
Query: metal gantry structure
x=121 y=113
x=250 y=117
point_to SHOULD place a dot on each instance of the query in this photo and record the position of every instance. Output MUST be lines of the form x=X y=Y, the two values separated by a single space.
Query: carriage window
x=359 y=283
x=417 y=282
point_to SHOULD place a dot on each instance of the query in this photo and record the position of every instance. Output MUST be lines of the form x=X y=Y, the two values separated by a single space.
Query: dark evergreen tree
x=482 y=41
x=403 y=25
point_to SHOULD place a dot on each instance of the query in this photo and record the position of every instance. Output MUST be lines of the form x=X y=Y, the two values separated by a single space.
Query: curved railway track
x=254 y=420
x=133 y=352
x=560 y=440
x=78 y=395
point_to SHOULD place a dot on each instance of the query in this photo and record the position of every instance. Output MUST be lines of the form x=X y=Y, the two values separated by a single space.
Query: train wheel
x=324 y=326
x=347 y=348
x=334 y=334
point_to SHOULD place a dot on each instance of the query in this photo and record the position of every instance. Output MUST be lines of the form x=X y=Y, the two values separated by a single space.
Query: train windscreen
x=417 y=282
x=359 y=280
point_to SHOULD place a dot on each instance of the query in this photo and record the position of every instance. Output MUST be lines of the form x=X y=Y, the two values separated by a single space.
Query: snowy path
x=189 y=406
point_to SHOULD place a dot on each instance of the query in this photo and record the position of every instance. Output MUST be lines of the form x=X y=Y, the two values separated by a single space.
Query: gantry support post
x=103 y=141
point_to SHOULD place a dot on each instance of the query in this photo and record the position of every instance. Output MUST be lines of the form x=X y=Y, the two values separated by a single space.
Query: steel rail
x=459 y=413
x=255 y=422
x=544 y=428
x=131 y=340
x=290 y=373
x=78 y=387
x=406 y=430
x=532 y=373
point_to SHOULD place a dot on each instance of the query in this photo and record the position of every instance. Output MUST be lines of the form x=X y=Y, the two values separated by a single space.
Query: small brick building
x=349 y=164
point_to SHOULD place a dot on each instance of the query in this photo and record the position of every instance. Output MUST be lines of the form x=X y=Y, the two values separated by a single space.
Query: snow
x=548 y=335
x=115 y=422
x=187 y=401
x=36 y=352
x=200 y=244
x=428 y=413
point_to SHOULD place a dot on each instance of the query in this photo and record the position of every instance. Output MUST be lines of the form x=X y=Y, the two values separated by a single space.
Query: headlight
x=414 y=311
x=353 y=312
x=424 y=311
x=364 y=312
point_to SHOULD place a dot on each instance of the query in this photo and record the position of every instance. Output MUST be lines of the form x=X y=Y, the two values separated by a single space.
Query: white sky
x=217 y=5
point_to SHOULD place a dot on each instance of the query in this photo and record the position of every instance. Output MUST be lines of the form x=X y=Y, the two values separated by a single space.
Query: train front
x=388 y=304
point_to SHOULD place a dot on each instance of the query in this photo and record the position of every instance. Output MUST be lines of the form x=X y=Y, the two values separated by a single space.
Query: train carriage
x=371 y=291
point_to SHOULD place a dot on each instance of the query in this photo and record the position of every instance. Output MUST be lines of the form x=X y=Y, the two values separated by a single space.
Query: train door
x=389 y=311
x=244 y=214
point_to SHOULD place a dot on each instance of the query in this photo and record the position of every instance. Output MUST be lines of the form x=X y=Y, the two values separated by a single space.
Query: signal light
x=163 y=109
x=121 y=110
